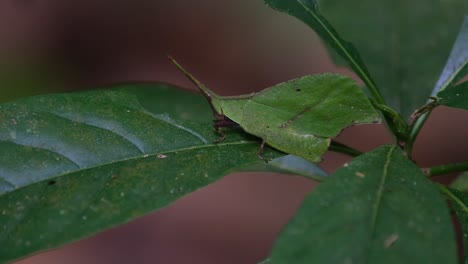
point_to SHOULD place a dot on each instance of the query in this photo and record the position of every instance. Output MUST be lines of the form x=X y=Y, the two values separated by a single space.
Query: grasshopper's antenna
x=206 y=92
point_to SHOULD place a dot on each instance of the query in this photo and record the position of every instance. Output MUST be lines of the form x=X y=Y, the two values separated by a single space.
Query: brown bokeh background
x=232 y=46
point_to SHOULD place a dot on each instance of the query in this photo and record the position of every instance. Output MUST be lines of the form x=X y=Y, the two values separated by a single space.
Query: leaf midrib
x=351 y=59
x=378 y=199
x=142 y=156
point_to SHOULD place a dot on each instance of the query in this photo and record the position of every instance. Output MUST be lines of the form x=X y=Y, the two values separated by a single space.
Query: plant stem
x=415 y=124
x=342 y=148
x=395 y=122
x=446 y=168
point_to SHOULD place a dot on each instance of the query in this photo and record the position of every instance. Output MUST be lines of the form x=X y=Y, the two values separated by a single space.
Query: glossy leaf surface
x=74 y=164
x=378 y=209
x=456 y=66
x=455 y=96
x=290 y=164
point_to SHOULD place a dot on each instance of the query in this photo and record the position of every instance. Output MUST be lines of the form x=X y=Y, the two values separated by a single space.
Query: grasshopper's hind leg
x=260 y=152
x=220 y=123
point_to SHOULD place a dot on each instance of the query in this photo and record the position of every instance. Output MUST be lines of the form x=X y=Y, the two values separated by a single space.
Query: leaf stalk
x=415 y=123
x=446 y=168
x=342 y=148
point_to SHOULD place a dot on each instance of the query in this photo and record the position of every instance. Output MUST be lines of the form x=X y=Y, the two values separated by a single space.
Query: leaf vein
x=135 y=141
x=65 y=157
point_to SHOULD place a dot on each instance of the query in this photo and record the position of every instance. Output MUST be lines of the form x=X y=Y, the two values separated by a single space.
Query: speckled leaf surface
x=455 y=96
x=378 y=209
x=74 y=164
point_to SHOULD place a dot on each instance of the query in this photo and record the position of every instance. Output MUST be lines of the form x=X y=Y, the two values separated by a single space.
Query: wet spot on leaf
x=390 y=240
x=51 y=182
x=360 y=174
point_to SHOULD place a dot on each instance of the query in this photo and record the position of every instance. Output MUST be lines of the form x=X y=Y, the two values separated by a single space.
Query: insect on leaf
x=299 y=116
x=75 y=164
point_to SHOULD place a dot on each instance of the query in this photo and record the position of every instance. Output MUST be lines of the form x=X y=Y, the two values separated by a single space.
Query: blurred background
x=233 y=47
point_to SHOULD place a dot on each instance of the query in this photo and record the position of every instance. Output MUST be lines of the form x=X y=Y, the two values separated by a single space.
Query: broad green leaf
x=74 y=164
x=459 y=203
x=307 y=11
x=461 y=182
x=456 y=66
x=378 y=209
x=454 y=96
x=405 y=44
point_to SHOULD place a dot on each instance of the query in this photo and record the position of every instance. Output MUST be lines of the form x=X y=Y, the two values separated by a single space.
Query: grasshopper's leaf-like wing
x=379 y=209
x=74 y=164
x=322 y=105
x=457 y=63
x=455 y=96
x=459 y=202
x=301 y=115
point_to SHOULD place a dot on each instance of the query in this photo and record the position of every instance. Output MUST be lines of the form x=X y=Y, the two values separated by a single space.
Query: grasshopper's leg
x=260 y=152
x=223 y=122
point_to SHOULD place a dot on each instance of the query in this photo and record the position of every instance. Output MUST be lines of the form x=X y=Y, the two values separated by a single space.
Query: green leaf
x=459 y=203
x=74 y=164
x=404 y=43
x=378 y=209
x=461 y=182
x=307 y=11
x=455 y=96
x=457 y=63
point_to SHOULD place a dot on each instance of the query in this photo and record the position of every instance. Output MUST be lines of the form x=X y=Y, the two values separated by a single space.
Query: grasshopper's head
x=211 y=96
